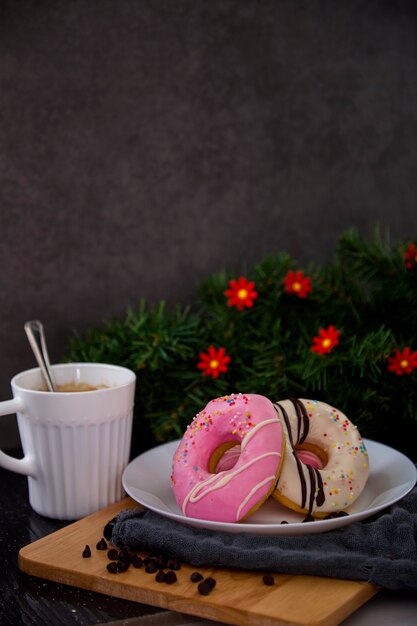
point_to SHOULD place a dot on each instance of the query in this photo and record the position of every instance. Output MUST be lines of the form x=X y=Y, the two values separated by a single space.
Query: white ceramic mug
x=75 y=444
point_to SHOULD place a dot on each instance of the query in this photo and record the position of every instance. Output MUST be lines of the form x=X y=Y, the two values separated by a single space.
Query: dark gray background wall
x=147 y=143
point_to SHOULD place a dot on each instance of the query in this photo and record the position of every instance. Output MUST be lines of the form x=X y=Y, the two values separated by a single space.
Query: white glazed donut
x=315 y=427
x=234 y=493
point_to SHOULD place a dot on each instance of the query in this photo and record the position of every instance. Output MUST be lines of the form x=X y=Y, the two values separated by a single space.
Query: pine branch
x=367 y=293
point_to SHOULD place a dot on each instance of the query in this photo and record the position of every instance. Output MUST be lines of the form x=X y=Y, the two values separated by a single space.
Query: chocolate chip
x=125 y=555
x=170 y=577
x=161 y=561
x=101 y=545
x=336 y=514
x=86 y=552
x=211 y=583
x=108 y=529
x=268 y=579
x=204 y=588
x=196 y=576
x=174 y=564
x=151 y=568
x=122 y=566
x=112 y=567
x=113 y=554
x=137 y=561
x=160 y=577
x=284 y=521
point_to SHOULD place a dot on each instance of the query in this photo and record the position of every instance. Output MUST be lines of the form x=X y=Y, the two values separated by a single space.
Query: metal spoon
x=36 y=336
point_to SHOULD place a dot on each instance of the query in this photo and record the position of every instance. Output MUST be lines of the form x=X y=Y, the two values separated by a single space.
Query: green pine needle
x=366 y=292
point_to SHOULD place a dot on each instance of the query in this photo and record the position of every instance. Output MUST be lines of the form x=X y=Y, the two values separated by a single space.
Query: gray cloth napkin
x=382 y=550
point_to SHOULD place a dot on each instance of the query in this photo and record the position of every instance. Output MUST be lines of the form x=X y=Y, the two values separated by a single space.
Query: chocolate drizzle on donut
x=297 y=460
x=303 y=423
x=312 y=477
x=320 y=497
x=316 y=491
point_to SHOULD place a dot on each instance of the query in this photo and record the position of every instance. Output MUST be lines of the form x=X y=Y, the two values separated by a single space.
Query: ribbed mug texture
x=79 y=467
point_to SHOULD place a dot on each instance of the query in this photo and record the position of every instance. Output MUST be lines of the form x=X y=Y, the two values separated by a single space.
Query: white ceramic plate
x=392 y=475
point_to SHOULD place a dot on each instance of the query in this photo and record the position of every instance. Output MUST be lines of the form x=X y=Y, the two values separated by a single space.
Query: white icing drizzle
x=255 y=429
x=252 y=492
x=223 y=478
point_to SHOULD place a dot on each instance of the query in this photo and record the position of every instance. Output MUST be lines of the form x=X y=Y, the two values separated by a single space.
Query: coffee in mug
x=73 y=386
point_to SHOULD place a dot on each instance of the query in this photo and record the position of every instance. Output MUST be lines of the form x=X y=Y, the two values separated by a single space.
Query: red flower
x=326 y=340
x=298 y=284
x=241 y=293
x=402 y=362
x=410 y=256
x=213 y=362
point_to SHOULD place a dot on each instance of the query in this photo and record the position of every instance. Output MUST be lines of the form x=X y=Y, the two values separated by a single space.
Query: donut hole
x=309 y=454
x=224 y=457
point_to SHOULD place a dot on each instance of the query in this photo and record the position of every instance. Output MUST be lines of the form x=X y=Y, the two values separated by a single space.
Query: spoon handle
x=36 y=336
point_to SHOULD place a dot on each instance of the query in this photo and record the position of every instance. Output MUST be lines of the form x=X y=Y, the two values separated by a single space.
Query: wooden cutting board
x=240 y=597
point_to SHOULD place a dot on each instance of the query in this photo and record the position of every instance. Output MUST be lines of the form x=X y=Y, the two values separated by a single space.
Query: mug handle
x=26 y=465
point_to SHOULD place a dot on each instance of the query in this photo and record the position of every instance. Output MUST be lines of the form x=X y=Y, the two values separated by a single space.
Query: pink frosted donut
x=233 y=494
x=316 y=429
